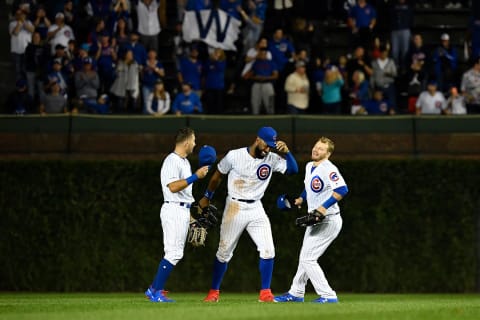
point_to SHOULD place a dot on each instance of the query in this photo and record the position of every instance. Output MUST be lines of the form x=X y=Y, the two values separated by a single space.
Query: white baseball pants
x=175 y=223
x=316 y=240
x=239 y=216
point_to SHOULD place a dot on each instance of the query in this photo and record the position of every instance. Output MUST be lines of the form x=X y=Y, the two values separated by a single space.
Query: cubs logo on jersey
x=263 y=171
x=334 y=176
x=316 y=184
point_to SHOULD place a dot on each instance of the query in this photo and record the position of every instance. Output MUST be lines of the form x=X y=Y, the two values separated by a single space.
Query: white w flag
x=214 y=27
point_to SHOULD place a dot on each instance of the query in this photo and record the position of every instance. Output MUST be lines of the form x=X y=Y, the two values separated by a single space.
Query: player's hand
x=298 y=202
x=322 y=210
x=282 y=147
x=204 y=202
x=202 y=172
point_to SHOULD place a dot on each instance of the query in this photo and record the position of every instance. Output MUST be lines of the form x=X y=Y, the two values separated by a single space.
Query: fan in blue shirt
x=187 y=102
x=190 y=69
x=378 y=105
x=281 y=48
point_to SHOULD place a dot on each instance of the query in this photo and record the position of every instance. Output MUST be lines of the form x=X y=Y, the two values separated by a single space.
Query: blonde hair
x=331 y=145
x=360 y=75
x=162 y=95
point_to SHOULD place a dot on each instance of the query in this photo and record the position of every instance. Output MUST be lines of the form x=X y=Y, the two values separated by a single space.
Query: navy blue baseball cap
x=269 y=135
x=207 y=156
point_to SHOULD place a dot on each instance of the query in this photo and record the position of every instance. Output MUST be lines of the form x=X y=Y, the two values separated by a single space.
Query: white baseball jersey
x=174 y=214
x=61 y=37
x=431 y=104
x=176 y=168
x=248 y=177
x=320 y=182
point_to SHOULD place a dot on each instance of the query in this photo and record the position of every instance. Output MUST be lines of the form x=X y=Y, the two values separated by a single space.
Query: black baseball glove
x=205 y=217
x=310 y=219
x=208 y=216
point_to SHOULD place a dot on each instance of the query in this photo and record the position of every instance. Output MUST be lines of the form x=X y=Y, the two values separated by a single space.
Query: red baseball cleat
x=212 y=296
x=266 y=296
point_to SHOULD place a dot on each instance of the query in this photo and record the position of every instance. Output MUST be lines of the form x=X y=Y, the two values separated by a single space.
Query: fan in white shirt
x=431 y=101
x=149 y=23
x=59 y=32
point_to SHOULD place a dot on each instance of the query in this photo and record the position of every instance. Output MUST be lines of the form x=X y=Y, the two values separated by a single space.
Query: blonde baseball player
x=249 y=171
x=176 y=179
x=324 y=187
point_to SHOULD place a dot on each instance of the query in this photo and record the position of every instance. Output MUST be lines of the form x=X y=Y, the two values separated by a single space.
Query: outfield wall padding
x=409 y=226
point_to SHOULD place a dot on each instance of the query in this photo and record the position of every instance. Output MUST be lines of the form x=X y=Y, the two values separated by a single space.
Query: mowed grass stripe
x=121 y=306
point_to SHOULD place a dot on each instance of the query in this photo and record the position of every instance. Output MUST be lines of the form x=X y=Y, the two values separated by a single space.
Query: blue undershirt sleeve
x=292 y=166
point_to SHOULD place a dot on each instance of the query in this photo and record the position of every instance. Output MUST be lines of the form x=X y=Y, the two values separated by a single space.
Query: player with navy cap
x=249 y=170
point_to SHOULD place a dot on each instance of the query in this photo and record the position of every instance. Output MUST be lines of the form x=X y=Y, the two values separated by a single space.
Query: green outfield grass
x=121 y=306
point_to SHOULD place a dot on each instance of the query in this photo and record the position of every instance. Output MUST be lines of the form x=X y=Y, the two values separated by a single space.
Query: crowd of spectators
x=101 y=56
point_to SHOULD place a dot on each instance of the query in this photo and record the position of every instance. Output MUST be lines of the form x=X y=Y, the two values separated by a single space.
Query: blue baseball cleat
x=325 y=300
x=157 y=296
x=149 y=294
x=287 y=297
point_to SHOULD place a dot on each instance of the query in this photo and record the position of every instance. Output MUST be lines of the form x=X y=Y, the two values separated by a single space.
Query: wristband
x=330 y=201
x=303 y=195
x=209 y=194
x=192 y=178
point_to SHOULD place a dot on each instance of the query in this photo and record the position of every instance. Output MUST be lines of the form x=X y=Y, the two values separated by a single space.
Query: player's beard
x=260 y=154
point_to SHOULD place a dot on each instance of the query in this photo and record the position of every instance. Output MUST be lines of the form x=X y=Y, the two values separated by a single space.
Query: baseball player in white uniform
x=324 y=187
x=176 y=178
x=249 y=171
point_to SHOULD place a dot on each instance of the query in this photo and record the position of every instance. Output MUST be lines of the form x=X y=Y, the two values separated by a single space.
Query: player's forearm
x=336 y=196
x=292 y=166
x=179 y=185
x=214 y=182
x=303 y=195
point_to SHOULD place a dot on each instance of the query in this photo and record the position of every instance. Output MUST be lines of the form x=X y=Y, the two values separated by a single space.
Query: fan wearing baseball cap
x=297 y=87
x=59 y=32
x=87 y=80
x=445 y=63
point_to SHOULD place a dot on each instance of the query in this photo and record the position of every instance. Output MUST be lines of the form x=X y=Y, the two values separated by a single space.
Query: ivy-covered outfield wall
x=409 y=226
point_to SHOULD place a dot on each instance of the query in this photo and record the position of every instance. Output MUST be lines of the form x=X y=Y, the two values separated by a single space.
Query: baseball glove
x=207 y=216
x=310 y=219
x=196 y=233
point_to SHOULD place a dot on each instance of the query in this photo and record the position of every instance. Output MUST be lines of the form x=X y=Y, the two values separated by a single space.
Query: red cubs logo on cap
x=263 y=172
x=334 y=176
x=316 y=184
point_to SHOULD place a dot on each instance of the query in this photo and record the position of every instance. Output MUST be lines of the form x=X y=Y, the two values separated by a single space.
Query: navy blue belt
x=244 y=200
x=187 y=205
x=332 y=214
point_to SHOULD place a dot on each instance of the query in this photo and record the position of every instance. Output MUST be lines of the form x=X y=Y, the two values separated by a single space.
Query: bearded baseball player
x=176 y=179
x=324 y=187
x=249 y=170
